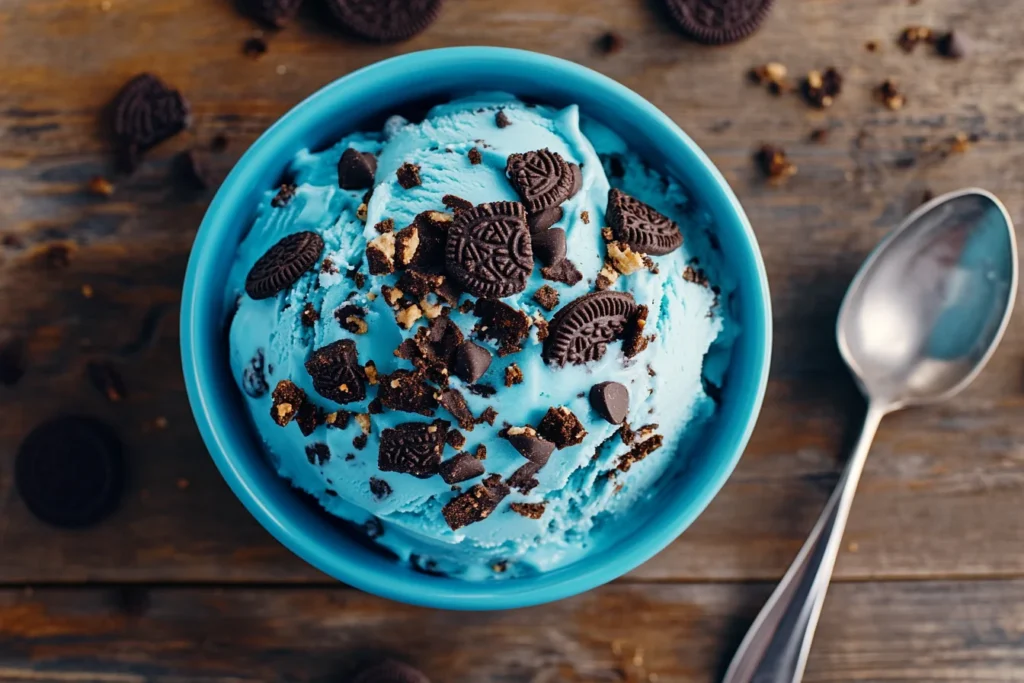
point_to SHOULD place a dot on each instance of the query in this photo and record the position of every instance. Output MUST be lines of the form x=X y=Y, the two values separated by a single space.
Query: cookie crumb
x=911 y=36
x=888 y=93
x=820 y=89
x=773 y=163
x=513 y=375
x=474 y=156
x=501 y=119
x=100 y=186
x=530 y=510
x=254 y=47
x=408 y=175
x=610 y=43
x=819 y=135
x=585 y=217
x=547 y=297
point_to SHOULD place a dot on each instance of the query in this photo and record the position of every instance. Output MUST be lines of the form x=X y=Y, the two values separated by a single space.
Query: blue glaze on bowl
x=354 y=102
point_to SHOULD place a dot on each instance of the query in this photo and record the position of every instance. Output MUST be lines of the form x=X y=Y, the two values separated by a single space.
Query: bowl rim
x=421 y=589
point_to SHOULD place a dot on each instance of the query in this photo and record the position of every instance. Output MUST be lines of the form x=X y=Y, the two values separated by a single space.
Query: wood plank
x=940 y=495
x=880 y=632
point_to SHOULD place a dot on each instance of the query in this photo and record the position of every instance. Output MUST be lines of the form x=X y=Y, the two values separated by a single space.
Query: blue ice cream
x=359 y=360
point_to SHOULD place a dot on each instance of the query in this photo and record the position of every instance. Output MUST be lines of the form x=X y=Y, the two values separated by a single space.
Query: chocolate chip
x=541 y=178
x=724 y=21
x=952 y=45
x=318 y=453
x=565 y=271
x=413 y=448
x=309 y=315
x=633 y=339
x=476 y=504
x=456 y=204
x=531 y=510
x=460 y=468
x=107 y=380
x=385 y=22
x=541 y=220
x=471 y=362
x=408 y=392
x=524 y=479
x=254 y=382
x=513 y=375
x=308 y=418
x=502 y=323
x=283 y=264
x=288 y=398
x=70 y=471
x=640 y=226
x=488 y=250
x=561 y=427
x=501 y=120
x=547 y=296
x=474 y=156
x=408 y=175
x=454 y=402
x=379 y=488
x=530 y=446
x=581 y=330
x=356 y=170
x=610 y=400
x=336 y=372
x=275 y=13
x=549 y=246
x=145 y=113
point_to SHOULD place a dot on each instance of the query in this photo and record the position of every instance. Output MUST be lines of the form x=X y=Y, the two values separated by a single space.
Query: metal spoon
x=920 y=320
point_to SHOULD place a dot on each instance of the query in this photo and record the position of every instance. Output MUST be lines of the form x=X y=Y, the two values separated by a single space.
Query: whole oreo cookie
x=581 y=330
x=391 y=672
x=145 y=113
x=542 y=178
x=640 y=226
x=488 y=250
x=715 y=22
x=283 y=264
x=385 y=21
x=70 y=471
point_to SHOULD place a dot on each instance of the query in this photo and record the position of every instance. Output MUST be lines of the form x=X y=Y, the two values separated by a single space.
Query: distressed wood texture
x=941 y=493
x=916 y=632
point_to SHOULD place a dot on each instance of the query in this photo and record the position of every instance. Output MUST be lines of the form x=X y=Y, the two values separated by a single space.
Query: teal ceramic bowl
x=350 y=103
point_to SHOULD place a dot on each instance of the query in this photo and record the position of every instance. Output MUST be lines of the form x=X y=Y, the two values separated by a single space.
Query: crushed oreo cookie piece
x=561 y=427
x=352 y=319
x=524 y=479
x=633 y=339
x=501 y=119
x=413 y=448
x=513 y=375
x=285 y=194
x=454 y=402
x=641 y=226
x=380 y=254
x=408 y=175
x=488 y=250
x=582 y=329
x=309 y=418
x=773 y=163
x=288 y=399
x=407 y=391
x=359 y=441
x=530 y=510
x=318 y=453
x=456 y=439
x=145 y=113
x=542 y=178
x=338 y=419
x=502 y=323
x=379 y=488
x=565 y=271
x=474 y=156
x=639 y=451
x=283 y=264
x=461 y=468
x=336 y=372
x=485 y=390
x=456 y=204
x=488 y=416
x=476 y=504
x=718 y=22
x=529 y=444
x=610 y=400
x=384 y=226
x=418 y=284
x=309 y=315
x=385 y=22
x=547 y=297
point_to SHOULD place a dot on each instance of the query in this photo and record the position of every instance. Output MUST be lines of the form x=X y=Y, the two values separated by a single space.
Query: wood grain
x=940 y=497
x=882 y=632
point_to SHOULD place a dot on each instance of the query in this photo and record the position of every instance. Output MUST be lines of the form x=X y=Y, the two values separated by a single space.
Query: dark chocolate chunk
x=454 y=402
x=460 y=468
x=385 y=21
x=640 y=226
x=432 y=229
x=524 y=479
x=336 y=372
x=254 y=382
x=561 y=427
x=488 y=250
x=456 y=204
x=502 y=323
x=541 y=178
x=633 y=339
x=611 y=401
x=359 y=441
x=318 y=453
x=474 y=156
x=547 y=296
x=408 y=175
x=476 y=504
x=501 y=119
x=309 y=315
x=530 y=446
x=288 y=399
x=531 y=510
x=581 y=330
x=513 y=375
x=283 y=264
x=413 y=448
x=549 y=246
x=356 y=170
x=107 y=380
x=542 y=220
x=274 y=13
x=407 y=391
x=577 y=179
x=471 y=361
x=719 y=21
x=309 y=418
x=379 y=488
x=13 y=357
x=146 y=112
x=565 y=271
x=70 y=471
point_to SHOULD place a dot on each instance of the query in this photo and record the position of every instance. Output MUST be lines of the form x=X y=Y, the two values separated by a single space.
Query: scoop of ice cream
x=464 y=430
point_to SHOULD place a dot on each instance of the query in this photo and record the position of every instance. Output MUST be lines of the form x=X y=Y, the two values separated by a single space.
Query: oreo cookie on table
x=145 y=113
x=385 y=21
x=640 y=226
x=488 y=250
x=582 y=329
x=283 y=264
x=70 y=471
x=716 y=22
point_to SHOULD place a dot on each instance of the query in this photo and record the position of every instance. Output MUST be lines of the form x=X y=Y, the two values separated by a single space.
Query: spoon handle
x=776 y=647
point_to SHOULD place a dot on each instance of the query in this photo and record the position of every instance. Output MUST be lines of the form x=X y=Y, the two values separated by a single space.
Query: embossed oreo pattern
x=580 y=332
x=640 y=226
x=488 y=250
x=283 y=264
x=413 y=448
x=542 y=178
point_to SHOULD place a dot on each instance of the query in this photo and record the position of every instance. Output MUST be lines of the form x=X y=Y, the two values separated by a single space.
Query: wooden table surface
x=181 y=584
